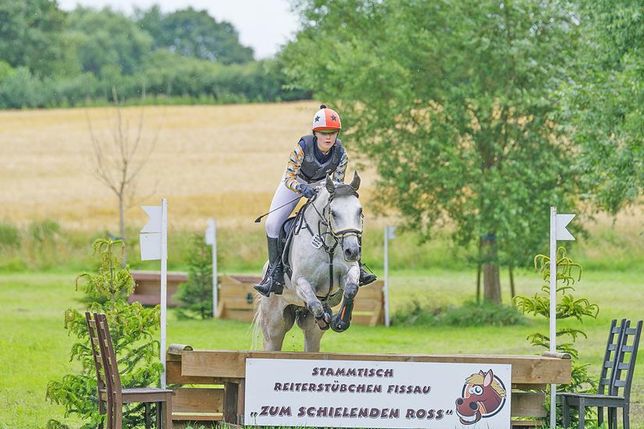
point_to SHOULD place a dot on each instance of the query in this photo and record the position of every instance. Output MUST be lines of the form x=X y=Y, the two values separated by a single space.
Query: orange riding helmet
x=326 y=120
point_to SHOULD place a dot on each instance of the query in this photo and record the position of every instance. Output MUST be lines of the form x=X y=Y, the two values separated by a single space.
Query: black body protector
x=312 y=170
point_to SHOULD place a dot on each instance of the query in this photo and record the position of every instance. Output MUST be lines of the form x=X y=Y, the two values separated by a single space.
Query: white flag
x=562 y=222
x=150 y=236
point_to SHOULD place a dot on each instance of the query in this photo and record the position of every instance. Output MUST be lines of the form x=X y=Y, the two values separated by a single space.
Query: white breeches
x=275 y=220
x=283 y=195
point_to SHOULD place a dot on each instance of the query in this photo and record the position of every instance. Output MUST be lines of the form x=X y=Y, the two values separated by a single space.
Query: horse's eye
x=476 y=390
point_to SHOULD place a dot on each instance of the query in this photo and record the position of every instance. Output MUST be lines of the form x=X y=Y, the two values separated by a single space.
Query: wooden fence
x=237 y=298
x=226 y=371
x=237 y=301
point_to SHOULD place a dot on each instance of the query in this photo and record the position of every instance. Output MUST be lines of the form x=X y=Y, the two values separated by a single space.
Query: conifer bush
x=133 y=329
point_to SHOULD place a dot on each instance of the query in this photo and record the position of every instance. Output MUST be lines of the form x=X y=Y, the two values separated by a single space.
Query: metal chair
x=111 y=395
x=617 y=373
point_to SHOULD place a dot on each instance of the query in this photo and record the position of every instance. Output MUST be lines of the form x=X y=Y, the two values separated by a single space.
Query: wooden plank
x=173 y=376
x=528 y=404
x=198 y=400
x=231 y=398
x=231 y=364
x=197 y=417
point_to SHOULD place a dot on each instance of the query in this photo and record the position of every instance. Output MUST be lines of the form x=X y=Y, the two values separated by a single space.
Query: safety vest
x=311 y=169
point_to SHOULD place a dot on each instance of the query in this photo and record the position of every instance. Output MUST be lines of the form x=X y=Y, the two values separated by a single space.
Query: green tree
x=132 y=328
x=606 y=99
x=193 y=33
x=107 y=43
x=196 y=293
x=31 y=35
x=454 y=103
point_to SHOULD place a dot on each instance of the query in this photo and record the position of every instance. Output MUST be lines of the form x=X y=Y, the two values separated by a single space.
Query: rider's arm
x=293 y=167
x=338 y=176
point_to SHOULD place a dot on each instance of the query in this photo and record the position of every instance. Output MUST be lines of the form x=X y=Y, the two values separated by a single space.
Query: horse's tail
x=256 y=326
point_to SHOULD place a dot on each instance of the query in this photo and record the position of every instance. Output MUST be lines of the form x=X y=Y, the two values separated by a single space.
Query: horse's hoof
x=339 y=325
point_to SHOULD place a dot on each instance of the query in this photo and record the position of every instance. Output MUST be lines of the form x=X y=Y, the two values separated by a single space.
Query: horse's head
x=483 y=396
x=344 y=216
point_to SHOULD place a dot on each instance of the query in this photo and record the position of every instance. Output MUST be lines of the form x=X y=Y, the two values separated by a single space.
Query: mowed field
x=209 y=161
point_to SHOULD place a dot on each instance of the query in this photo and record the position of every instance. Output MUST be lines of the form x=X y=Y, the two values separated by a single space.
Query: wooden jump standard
x=226 y=370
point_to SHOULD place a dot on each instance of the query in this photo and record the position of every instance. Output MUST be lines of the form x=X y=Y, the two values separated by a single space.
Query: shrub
x=568 y=306
x=9 y=236
x=196 y=293
x=132 y=328
x=469 y=314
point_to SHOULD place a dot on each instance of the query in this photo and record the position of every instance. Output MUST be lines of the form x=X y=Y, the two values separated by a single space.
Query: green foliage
x=604 y=102
x=453 y=102
x=30 y=35
x=132 y=328
x=196 y=293
x=107 y=43
x=49 y=58
x=470 y=313
x=568 y=307
x=195 y=34
x=9 y=236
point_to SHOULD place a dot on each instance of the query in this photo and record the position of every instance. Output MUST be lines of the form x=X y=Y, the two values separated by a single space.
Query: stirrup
x=366 y=277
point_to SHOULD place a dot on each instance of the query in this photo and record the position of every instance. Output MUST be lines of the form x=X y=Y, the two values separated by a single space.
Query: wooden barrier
x=227 y=371
x=237 y=300
x=147 y=287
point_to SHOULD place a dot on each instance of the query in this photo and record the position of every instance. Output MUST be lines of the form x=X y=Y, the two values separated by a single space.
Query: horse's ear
x=329 y=184
x=355 y=183
x=489 y=377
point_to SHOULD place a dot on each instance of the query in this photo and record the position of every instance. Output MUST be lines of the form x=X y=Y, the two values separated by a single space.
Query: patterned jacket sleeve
x=293 y=167
x=338 y=176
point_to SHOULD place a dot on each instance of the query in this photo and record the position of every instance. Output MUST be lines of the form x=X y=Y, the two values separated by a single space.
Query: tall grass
x=47 y=246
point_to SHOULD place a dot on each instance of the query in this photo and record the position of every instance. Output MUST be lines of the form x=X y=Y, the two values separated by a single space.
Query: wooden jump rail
x=237 y=301
x=237 y=298
x=226 y=370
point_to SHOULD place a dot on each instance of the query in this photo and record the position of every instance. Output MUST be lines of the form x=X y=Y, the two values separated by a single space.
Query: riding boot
x=365 y=276
x=273 y=280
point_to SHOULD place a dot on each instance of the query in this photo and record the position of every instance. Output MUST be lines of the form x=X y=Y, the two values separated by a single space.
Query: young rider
x=313 y=158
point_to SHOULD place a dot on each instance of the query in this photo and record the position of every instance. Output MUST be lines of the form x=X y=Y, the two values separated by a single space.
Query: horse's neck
x=314 y=215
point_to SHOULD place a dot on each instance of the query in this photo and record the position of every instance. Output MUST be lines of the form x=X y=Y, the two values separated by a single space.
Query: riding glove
x=306 y=190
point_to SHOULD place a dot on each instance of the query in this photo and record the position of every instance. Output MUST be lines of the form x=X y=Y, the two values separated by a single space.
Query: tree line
x=53 y=58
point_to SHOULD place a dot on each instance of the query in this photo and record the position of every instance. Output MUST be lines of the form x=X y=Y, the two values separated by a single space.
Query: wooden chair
x=111 y=395
x=617 y=373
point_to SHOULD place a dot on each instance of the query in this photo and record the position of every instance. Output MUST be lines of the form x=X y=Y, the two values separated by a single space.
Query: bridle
x=325 y=219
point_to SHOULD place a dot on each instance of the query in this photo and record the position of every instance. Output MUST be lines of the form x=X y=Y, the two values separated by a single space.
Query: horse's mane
x=478 y=379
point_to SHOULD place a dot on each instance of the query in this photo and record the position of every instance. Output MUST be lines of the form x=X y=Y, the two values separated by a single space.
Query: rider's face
x=326 y=140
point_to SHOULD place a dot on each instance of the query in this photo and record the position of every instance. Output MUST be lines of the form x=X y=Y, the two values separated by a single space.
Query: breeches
x=275 y=220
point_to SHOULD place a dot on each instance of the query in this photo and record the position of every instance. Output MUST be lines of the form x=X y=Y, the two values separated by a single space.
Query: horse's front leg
x=306 y=292
x=342 y=319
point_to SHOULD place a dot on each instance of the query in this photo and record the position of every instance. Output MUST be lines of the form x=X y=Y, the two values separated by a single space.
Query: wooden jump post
x=530 y=375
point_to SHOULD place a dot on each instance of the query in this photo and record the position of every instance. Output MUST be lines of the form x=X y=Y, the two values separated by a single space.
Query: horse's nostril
x=473 y=405
x=459 y=401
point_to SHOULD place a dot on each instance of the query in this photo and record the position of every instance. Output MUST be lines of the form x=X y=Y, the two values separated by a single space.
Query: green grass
x=34 y=347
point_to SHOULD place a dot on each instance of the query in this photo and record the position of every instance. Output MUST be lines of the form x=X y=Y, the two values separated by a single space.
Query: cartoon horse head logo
x=483 y=396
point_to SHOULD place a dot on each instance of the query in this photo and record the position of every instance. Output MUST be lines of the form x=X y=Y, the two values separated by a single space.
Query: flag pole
x=553 y=306
x=164 y=284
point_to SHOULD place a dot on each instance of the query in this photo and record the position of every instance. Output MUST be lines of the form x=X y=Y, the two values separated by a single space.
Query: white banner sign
x=367 y=394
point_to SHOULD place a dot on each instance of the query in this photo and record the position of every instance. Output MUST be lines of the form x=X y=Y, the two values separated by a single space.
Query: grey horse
x=323 y=257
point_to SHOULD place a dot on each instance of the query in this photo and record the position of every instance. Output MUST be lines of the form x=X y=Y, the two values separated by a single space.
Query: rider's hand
x=306 y=190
